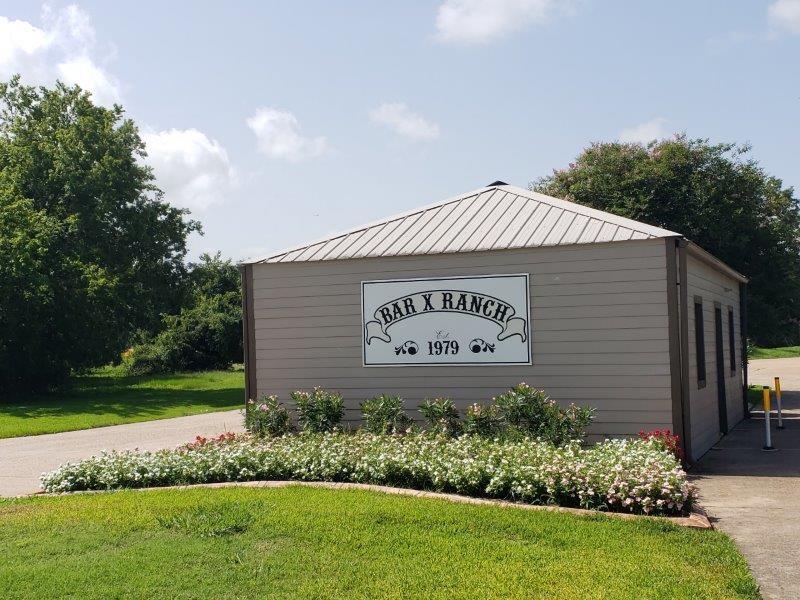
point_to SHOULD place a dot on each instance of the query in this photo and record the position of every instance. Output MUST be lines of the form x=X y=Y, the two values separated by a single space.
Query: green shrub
x=528 y=412
x=483 y=420
x=205 y=336
x=442 y=416
x=384 y=414
x=144 y=359
x=267 y=418
x=318 y=411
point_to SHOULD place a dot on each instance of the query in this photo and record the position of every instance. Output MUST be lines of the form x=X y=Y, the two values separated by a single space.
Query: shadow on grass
x=131 y=397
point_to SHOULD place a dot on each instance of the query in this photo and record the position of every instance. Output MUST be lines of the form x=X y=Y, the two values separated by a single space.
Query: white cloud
x=278 y=136
x=479 y=21
x=192 y=169
x=398 y=117
x=82 y=71
x=644 y=132
x=785 y=14
x=62 y=48
x=18 y=41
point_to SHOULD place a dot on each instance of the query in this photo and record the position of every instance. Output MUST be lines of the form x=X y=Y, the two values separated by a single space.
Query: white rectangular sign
x=481 y=320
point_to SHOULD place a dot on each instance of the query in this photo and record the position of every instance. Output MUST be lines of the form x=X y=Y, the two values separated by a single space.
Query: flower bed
x=635 y=476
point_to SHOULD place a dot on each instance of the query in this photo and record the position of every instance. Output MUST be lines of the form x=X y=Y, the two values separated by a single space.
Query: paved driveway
x=23 y=459
x=754 y=496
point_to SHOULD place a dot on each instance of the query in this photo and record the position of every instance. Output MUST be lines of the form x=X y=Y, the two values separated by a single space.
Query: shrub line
x=696 y=519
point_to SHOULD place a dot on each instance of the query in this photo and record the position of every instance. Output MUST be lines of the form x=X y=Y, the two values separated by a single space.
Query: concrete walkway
x=23 y=459
x=753 y=495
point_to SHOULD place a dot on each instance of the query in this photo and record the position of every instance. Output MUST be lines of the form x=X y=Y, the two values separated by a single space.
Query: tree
x=90 y=250
x=205 y=334
x=213 y=276
x=715 y=195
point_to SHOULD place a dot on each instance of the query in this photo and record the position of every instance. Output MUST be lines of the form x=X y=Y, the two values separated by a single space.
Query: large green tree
x=714 y=194
x=89 y=249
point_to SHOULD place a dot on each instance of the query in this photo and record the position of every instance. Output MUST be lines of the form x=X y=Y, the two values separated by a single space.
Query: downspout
x=673 y=322
x=683 y=307
x=248 y=332
x=743 y=332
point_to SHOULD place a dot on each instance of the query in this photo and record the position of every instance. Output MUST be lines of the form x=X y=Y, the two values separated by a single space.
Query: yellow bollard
x=778 y=401
x=767 y=432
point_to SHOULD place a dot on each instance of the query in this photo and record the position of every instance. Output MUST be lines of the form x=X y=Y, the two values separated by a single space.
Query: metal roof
x=497 y=217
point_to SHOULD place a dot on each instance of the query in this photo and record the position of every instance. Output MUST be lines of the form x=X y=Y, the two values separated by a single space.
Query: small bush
x=384 y=414
x=665 y=439
x=267 y=418
x=318 y=411
x=483 y=420
x=528 y=412
x=144 y=359
x=205 y=336
x=442 y=416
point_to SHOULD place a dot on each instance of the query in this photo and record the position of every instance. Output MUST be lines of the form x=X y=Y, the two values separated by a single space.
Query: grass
x=785 y=352
x=314 y=543
x=105 y=397
x=755 y=395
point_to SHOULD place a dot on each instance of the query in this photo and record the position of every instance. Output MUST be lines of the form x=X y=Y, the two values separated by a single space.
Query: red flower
x=666 y=439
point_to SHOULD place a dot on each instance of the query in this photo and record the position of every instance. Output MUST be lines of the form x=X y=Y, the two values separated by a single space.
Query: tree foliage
x=205 y=334
x=213 y=276
x=90 y=249
x=714 y=194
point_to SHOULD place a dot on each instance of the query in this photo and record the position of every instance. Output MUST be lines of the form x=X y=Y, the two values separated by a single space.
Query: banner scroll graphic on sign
x=445 y=301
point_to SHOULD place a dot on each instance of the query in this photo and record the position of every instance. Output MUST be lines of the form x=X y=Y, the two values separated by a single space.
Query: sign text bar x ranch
x=481 y=320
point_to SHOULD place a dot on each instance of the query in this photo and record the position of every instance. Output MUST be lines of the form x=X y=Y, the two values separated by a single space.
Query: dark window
x=699 y=343
x=731 y=341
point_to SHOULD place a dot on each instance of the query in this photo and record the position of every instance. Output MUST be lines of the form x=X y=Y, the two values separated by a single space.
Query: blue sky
x=278 y=122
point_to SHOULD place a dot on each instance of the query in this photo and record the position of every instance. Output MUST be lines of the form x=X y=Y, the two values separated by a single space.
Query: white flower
x=636 y=476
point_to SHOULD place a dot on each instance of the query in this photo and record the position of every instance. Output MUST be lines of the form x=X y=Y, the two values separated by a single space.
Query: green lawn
x=785 y=352
x=755 y=395
x=315 y=543
x=106 y=398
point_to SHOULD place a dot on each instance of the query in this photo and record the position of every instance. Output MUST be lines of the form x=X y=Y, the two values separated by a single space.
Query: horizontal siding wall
x=599 y=331
x=713 y=286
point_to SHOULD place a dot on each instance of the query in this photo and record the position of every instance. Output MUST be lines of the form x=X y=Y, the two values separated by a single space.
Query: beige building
x=628 y=318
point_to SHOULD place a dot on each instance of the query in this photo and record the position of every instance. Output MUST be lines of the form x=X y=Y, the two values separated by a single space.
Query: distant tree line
x=717 y=196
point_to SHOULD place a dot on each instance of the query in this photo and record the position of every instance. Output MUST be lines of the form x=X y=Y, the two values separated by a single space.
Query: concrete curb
x=697 y=519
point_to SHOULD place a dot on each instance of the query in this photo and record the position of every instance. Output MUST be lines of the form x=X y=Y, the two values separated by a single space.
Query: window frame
x=700 y=342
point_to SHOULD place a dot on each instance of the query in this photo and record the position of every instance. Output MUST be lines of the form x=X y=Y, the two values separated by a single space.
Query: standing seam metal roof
x=497 y=217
